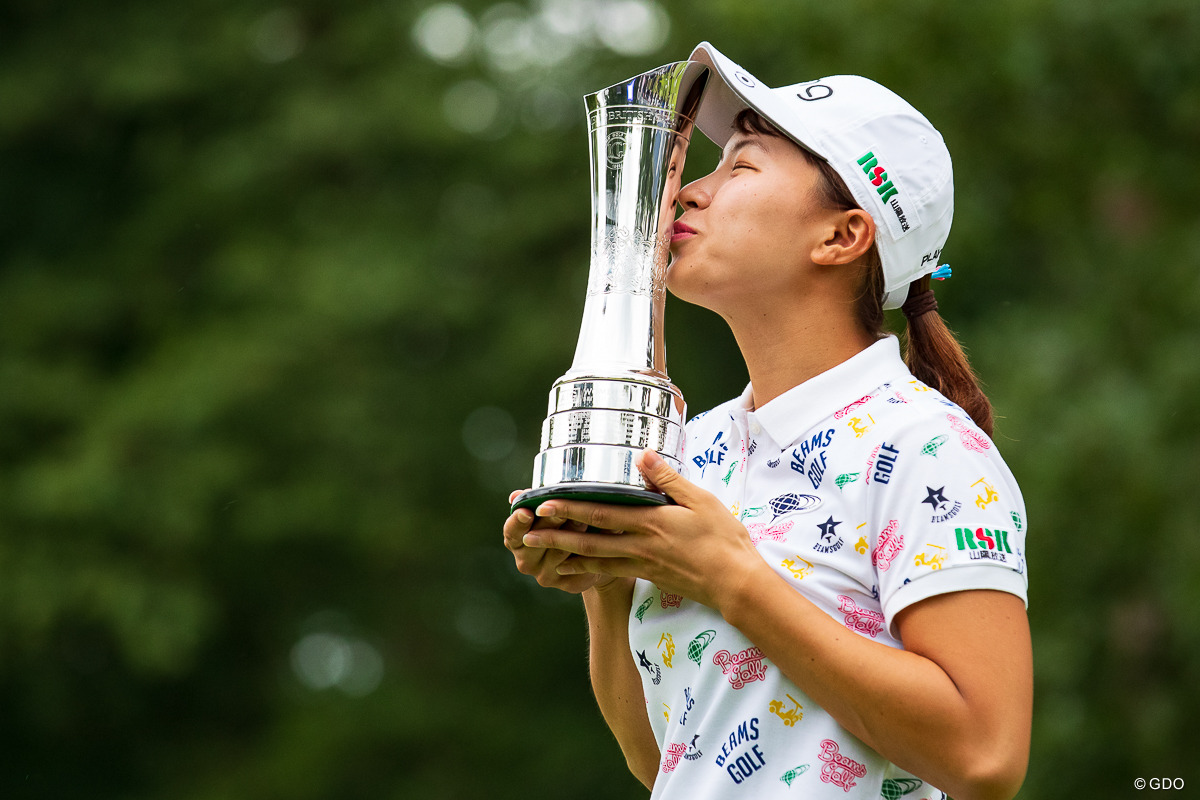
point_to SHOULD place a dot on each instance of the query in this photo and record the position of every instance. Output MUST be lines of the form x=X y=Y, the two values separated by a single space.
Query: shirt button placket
x=755 y=431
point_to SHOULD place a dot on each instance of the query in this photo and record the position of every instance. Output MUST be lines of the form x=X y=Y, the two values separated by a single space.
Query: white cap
x=893 y=161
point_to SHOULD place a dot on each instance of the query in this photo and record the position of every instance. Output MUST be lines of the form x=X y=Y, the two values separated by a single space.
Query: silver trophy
x=617 y=400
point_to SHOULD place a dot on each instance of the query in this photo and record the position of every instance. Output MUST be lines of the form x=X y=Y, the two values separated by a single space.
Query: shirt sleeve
x=949 y=515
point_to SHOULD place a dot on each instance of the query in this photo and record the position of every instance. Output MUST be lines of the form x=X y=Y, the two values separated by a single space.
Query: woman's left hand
x=695 y=548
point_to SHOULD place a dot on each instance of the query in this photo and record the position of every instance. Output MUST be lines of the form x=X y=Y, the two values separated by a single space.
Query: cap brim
x=738 y=90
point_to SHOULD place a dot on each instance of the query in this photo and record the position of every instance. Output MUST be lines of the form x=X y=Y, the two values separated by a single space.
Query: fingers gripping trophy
x=617 y=400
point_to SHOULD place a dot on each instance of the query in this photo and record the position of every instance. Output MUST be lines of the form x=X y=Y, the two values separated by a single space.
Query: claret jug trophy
x=617 y=400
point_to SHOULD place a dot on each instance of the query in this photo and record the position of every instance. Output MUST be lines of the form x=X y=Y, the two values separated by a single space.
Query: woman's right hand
x=541 y=562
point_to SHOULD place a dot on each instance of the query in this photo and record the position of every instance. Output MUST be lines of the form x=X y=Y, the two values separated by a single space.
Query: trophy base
x=591 y=492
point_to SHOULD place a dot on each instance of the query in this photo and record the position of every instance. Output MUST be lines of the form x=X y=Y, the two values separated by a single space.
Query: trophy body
x=616 y=399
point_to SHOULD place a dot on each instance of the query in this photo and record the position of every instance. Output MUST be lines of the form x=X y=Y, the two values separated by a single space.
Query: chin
x=691 y=289
x=677 y=283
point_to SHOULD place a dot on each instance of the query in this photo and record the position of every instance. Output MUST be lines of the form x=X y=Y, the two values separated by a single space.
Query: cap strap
x=919 y=304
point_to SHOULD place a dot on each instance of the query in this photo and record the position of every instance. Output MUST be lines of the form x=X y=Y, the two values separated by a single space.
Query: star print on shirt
x=654 y=670
x=936 y=499
x=830 y=541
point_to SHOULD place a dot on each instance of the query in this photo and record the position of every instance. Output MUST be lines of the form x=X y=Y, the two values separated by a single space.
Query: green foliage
x=255 y=283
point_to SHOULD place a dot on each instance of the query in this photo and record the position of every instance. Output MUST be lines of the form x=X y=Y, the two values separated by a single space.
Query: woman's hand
x=543 y=563
x=695 y=548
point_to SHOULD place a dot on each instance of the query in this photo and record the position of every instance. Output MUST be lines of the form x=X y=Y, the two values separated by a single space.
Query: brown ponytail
x=931 y=350
x=935 y=357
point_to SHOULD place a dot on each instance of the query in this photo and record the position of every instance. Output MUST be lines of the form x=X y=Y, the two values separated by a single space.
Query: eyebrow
x=740 y=140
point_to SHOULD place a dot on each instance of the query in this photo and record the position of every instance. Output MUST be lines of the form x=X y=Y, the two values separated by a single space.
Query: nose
x=694 y=195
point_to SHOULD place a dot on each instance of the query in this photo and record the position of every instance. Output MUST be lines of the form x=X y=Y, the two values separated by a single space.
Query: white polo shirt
x=868 y=492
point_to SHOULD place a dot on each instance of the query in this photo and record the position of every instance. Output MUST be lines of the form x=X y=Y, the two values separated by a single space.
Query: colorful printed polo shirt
x=868 y=492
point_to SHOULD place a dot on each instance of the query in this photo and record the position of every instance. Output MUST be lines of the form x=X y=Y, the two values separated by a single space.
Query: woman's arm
x=607 y=601
x=615 y=679
x=953 y=708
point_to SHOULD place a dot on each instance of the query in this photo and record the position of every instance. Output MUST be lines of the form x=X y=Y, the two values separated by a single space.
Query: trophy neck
x=639 y=132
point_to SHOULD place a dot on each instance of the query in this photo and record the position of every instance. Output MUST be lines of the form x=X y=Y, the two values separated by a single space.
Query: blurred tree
x=283 y=288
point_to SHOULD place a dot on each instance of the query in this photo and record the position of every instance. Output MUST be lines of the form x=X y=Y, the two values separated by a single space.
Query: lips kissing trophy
x=617 y=400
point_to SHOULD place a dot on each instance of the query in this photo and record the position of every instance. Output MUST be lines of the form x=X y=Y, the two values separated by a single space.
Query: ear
x=849 y=236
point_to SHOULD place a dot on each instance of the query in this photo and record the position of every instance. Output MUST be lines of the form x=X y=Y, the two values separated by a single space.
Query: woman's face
x=748 y=227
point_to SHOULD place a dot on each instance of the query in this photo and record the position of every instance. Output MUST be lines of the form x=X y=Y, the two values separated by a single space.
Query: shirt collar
x=795 y=411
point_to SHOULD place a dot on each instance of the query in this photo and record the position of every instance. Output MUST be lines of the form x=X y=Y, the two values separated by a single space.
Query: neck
x=783 y=351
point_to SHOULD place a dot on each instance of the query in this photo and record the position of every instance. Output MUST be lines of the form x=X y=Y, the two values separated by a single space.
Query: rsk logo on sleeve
x=983 y=543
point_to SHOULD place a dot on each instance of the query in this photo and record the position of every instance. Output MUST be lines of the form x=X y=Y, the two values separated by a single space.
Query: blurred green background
x=283 y=289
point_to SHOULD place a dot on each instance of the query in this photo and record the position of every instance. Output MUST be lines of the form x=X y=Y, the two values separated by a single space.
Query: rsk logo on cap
x=877 y=175
x=900 y=221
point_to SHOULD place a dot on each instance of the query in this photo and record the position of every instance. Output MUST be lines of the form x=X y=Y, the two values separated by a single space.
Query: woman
x=835 y=604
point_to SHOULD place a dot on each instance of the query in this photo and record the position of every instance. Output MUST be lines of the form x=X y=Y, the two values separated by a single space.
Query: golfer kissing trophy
x=617 y=400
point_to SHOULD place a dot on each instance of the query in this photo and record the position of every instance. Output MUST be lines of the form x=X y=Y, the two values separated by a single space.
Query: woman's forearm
x=615 y=679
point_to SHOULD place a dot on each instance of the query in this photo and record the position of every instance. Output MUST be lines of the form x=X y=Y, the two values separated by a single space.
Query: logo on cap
x=878 y=176
x=886 y=190
x=815 y=91
x=745 y=79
